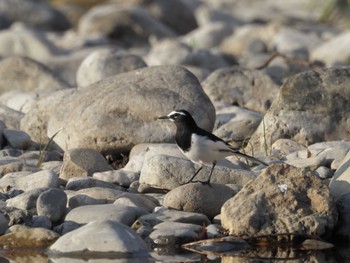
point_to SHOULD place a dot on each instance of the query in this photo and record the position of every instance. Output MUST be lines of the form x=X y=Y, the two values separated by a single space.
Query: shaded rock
x=167 y=172
x=246 y=88
x=109 y=237
x=120 y=177
x=27 y=200
x=88 y=213
x=199 y=198
x=168 y=215
x=66 y=227
x=104 y=63
x=343 y=226
x=17 y=139
x=340 y=183
x=30 y=238
x=310 y=107
x=41 y=221
x=52 y=203
x=80 y=162
x=176 y=14
x=324 y=172
x=116 y=127
x=16 y=216
x=27 y=180
x=276 y=203
x=3 y=224
x=94 y=195
x=174 y=233
x=78 y=183
x=130 y=25
x=38 y=14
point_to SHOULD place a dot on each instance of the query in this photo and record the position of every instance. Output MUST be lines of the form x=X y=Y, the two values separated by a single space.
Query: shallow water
x=339 y=254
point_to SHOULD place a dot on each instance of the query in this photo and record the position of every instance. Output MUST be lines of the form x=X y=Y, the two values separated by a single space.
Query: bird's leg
x=200 y=168
x=211 y=172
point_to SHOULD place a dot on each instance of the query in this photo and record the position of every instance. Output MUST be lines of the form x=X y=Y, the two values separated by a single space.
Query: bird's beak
x=163 y=118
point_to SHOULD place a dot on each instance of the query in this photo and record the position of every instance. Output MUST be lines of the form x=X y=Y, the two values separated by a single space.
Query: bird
x=199 y=145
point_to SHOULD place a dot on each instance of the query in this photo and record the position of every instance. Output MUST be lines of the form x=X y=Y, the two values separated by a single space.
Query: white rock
x=101 y=237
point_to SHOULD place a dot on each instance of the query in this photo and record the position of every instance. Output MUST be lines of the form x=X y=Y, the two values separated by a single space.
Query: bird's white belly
x=204 y=151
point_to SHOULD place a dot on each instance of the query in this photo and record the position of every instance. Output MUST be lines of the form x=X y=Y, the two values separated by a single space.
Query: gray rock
x=3 y=224
x=199 y=198
x=145 y=151
x=284 y=147
x=27 y=180
x=52 y=203
x=37 y=14
x=235 y=123
x=173 y=52
x=310 y=107
x=66 y=227
x=116 y=212
x=175 y=234
x=101 y=64
x=41 y=221
x=167 y=172
x=28 y=43
x=82 y=162
x=139 y=201
x=107 y=20
x=10 y=117
x=54 y=166
x=311 y=163
x=274 y=203
x=17 y=139
x=94 y=195
x=338 y=44
x=343 y=226
x=112 y=129
x=78 y=183
x=27 y=200
x=169 y=215
x=324 y=172
x=120 y=177
x=293 y=42
x=109 y=237
x=208 y=36
x=251 y=89
x=340 y=183
x=25 y=74
x=175 y=14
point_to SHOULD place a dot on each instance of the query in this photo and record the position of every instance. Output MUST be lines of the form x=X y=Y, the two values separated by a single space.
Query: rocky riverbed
x=88 y=172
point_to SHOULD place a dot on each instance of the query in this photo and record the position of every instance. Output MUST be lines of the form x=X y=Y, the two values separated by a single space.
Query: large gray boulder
x=119 y=112
x=283 y=199
x=310 y=107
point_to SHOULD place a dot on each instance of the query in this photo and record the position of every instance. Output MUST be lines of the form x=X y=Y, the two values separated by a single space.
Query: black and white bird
x=201 y=146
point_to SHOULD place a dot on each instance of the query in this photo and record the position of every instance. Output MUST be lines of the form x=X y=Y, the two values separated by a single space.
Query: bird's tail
x=251 y=158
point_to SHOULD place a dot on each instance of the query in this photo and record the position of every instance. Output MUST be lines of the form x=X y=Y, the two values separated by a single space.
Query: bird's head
x=179 y=116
